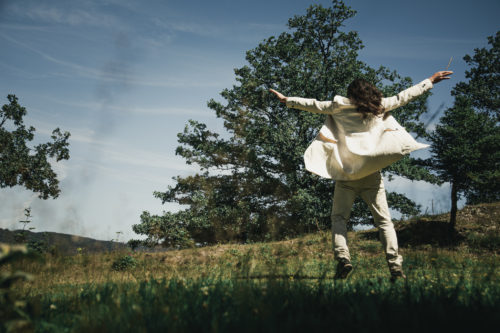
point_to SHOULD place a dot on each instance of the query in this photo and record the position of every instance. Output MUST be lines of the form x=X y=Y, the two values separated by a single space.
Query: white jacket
x=349 y=147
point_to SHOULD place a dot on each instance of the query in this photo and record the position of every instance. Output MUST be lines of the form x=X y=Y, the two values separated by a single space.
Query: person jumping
x=357 y=140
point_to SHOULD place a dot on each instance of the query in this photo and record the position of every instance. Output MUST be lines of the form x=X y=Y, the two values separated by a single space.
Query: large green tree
x=253 y=184
x=466 y=142
x=25 y=165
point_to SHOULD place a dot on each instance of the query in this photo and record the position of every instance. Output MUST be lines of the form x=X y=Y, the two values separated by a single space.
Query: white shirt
x=349 y=147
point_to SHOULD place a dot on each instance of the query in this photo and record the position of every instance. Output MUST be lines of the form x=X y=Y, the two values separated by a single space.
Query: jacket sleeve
x=312 y=105
x=406 y=96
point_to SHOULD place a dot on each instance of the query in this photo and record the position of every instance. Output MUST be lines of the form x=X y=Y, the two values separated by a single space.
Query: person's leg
x=343 y=199
x=373 y=193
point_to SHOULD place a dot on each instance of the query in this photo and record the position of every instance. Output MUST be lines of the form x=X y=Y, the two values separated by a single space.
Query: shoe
x=397 y=274
x=344 y=267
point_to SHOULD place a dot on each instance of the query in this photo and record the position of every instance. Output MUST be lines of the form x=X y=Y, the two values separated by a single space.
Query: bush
x=124 y=263
x=39 y=246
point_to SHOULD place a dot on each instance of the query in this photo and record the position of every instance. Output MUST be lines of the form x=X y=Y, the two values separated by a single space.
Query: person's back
x=358 y=139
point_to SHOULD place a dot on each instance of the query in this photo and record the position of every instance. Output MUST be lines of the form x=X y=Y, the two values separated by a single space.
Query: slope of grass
x=286 y=285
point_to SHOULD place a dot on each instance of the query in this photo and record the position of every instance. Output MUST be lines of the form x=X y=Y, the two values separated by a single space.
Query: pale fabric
x=371 y=190
x=363 y=146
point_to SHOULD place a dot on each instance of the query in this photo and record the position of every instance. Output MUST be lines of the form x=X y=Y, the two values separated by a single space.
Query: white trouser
x=371 y=190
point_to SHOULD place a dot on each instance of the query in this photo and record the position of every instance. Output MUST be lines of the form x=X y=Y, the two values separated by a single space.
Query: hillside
x=271 y=282
x=478 y=227
x=62 y=243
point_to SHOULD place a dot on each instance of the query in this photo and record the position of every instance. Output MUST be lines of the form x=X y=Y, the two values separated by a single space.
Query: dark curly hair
x=366 y=97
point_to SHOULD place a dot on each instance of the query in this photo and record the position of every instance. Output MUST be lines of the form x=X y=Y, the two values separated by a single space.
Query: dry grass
x=304 y=257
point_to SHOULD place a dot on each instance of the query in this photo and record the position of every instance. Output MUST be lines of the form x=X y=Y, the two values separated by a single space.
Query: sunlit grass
x=261 y=287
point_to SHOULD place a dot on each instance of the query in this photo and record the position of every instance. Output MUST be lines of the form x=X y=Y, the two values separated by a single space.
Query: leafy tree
x=253 y=184
x=465 y=145
x=483 y=87
x=24 y=165
x=466 y=152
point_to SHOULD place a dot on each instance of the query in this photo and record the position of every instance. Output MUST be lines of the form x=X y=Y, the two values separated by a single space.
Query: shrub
x=124 y=263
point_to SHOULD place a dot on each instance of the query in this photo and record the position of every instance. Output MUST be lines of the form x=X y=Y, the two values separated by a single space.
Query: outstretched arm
x=409 y=94
x=306 y=104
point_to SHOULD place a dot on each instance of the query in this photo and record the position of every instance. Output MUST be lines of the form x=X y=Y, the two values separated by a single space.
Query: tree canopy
x=28 y=166
x=253 y=184
x=483 y=86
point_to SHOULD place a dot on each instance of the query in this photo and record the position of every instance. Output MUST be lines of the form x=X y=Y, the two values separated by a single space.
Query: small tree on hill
x=466 y=152
x=24 y=165
x=466 y=143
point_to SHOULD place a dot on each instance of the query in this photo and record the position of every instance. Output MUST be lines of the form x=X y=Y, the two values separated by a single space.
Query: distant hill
x=63 y=243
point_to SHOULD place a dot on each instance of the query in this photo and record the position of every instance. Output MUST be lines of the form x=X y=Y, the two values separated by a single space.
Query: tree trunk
x=453 y=212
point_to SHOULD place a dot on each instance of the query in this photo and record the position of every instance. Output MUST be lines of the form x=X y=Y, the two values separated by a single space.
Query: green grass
x=426 y=301
x=264 y=287
x=269 y=287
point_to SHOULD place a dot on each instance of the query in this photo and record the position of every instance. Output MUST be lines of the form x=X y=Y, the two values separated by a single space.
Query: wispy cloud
x=208 y=30
x=130 y=109
x=241 y=32
x=70 y=15
x=108 y=75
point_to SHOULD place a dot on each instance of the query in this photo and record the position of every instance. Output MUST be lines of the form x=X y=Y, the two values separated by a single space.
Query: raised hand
x=439 y=76
x=281 y=97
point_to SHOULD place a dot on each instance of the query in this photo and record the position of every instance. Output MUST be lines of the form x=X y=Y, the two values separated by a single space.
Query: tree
x=466 y=152
x=466 y=143
x=483 y=87
x=24 y=165
x=253 y=184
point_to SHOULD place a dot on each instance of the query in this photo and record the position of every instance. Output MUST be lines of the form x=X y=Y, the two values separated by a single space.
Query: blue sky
x=125 y=76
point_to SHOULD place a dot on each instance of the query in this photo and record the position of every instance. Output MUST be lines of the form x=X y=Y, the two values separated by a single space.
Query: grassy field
x=453 y=283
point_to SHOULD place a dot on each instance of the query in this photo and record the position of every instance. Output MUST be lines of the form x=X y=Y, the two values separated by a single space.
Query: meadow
x=265 y=287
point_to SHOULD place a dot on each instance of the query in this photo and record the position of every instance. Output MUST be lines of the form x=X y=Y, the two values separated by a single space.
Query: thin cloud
x=66 y=16
x=242 y=32
x=113 y=76
x=25 y=27
x=159 y=111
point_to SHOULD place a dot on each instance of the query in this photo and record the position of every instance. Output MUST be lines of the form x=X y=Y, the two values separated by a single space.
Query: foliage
x=161 y=228
x=24 y=165
x=124 y=263
x=253 y=183
x=466 y=152
x=13 y=315
x=483 y=87
x=40 y=246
